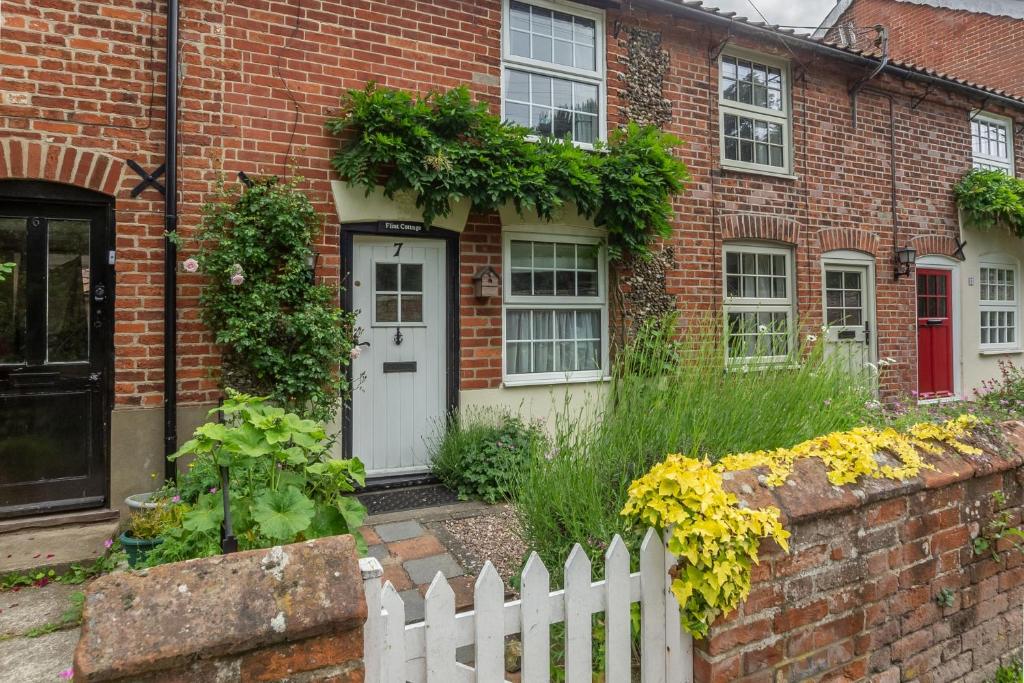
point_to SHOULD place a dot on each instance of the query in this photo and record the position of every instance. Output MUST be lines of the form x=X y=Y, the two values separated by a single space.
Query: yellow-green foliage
x=850 y=455
x=716 y=540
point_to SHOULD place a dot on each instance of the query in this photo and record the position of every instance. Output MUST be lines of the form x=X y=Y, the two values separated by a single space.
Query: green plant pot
x=138 y=548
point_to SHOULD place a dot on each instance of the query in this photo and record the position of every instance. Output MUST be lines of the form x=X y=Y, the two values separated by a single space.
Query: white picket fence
x=425 y=652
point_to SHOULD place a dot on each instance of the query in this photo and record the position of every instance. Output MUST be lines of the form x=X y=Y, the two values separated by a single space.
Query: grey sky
x=789 y=12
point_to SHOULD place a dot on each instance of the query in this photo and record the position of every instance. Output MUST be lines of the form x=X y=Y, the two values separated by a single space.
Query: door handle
x=366 y=344
x=867 y=333
x=99 y=293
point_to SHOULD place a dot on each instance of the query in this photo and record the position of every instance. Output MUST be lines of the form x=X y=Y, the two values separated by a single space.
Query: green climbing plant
x=992 y=198
x=444 y=146
x=5 y=270
x=282 y=334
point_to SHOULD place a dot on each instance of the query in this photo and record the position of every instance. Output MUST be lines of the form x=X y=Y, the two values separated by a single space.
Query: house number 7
x=398 y=248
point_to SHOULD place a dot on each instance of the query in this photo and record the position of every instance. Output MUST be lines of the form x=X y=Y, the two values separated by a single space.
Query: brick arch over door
x=834 y=239
x=934 y=245
x=27 y=160
x=757 y=226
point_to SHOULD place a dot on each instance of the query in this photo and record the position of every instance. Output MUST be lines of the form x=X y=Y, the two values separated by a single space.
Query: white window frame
x=987 y=160
x=529 y=302
x=783 y=116
x=759 y=305
x=536 y=66
x=999 y=262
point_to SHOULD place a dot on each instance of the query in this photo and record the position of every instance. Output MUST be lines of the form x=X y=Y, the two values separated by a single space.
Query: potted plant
x=145 y=529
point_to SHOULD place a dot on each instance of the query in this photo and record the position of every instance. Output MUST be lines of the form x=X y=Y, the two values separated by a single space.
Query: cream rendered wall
x=548 y=403
x=1001 y=244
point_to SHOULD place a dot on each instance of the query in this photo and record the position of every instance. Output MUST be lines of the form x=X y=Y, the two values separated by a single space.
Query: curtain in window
x=517 y=335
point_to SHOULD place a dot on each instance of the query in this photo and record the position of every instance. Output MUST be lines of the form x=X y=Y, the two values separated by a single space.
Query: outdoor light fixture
x=311 y=262
x=903 y=259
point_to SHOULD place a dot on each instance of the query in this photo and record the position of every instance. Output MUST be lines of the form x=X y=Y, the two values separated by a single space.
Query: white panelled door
x=398 y=293
x=848 y=312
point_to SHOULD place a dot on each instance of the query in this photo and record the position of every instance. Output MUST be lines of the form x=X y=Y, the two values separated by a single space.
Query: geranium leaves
x=281 y=515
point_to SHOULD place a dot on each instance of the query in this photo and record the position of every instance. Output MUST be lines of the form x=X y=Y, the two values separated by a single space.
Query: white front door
x=848 y=315
x=398 y=293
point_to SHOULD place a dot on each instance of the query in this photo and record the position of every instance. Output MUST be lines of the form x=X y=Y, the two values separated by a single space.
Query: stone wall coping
x=808 y=494
x=152 y=620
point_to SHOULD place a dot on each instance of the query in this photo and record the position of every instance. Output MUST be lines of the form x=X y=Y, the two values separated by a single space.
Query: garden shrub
x=1005 y=393
x=671 y=394
x=283 y=487
x=481 y=454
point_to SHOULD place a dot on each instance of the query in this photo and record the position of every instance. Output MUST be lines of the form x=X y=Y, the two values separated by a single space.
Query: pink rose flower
x=190 y=265
x=355 y=352
x=237 y=279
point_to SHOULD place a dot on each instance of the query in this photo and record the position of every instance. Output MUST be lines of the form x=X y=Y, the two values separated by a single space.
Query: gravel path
x=496 y=537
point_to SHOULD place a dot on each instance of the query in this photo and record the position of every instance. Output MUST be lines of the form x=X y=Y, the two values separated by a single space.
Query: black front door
x=55 y=318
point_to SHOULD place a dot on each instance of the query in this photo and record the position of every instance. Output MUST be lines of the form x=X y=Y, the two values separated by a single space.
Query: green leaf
x=353 y=511
x=281 y=515
x=207 y=515
x=327 y=521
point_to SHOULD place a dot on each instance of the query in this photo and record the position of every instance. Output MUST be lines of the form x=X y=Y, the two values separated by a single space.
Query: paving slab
x=56 y=547
x=380 y=551
x=26 y=608
x=398 y=531
x=424 y=570
x=413 y=605
x=37 y=660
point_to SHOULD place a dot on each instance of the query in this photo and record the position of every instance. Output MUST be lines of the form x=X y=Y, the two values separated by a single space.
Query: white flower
x=811 y=338
x=762 y=328
x=355 y=352
x=237 y=269
x=190 y=265
x=237 y=279
x=872 y=405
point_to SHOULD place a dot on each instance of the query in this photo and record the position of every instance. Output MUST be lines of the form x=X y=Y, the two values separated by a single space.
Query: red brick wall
x=949 y=40
x=260 y=78
x=855 y=599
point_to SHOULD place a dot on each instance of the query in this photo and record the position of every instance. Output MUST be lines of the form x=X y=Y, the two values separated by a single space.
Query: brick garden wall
x=857 y=598
x=260 y=78
x=946 y=40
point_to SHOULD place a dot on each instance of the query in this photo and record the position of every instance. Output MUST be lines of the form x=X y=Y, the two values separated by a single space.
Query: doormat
x=409 y=498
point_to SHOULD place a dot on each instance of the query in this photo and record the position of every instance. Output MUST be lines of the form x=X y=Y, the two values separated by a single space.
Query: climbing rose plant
x=5 y=270
x=716 y=540
x=282 y=335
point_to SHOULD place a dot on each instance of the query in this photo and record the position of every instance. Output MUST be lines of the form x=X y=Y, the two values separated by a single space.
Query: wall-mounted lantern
x=904 y=259
x=486 y=283
x=311 y=261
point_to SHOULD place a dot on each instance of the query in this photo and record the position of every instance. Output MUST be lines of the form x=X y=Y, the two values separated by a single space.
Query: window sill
x=547 y=381
x=725 y=166
x=1000 y=352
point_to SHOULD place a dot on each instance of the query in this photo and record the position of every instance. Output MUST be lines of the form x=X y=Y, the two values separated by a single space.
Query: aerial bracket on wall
x=959 y=251
x=244 y=179
x=882 y=42
x=148 y=179
x=918 y=100
x=716 y=51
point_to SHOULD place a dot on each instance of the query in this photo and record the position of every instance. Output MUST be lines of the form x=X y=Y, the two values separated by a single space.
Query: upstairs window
x=754 y=105
x=553 y=69
x=992 y=143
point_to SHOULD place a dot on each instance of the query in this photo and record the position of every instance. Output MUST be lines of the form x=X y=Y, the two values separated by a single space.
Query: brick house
x=802 y=194
x=940 y=34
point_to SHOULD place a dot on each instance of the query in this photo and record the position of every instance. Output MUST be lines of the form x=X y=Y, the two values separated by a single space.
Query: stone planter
x=138 y=548
x=137 y=502
x=355 y=206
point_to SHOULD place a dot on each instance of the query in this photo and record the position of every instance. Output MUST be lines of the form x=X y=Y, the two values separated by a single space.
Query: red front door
x=934 y=333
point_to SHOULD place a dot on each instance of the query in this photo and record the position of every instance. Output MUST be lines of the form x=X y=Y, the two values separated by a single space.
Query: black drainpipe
x=170 y=250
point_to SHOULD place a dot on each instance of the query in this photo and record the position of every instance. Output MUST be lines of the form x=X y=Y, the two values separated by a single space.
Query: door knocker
x=398 y=336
